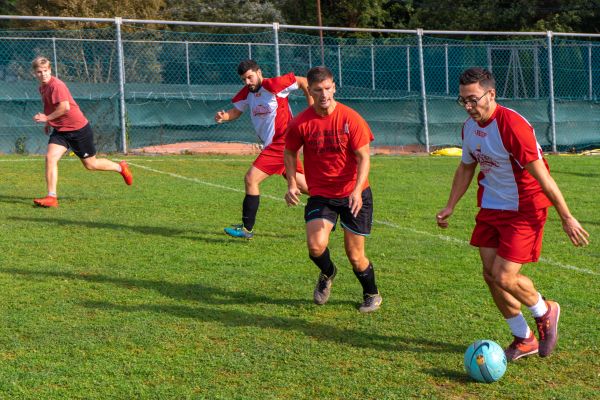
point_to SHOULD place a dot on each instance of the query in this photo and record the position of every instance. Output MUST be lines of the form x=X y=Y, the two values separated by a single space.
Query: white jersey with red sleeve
x=502 y=146
x=270 y=111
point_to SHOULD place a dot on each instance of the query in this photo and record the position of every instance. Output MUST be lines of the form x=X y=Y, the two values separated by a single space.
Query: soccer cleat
x=48 y=201
x=371 y=303
x=521 y=347
x=547 y=326
x=323 y=287
x=126 y=173
x=239 y=231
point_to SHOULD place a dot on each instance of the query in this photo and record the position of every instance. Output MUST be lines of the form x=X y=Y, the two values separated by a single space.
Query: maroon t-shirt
x=55 y=92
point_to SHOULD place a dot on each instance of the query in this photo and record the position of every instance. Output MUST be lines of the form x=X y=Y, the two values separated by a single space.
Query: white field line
x=386 y=223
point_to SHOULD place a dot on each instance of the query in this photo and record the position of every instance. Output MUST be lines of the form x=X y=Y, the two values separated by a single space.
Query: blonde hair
x=40 y=61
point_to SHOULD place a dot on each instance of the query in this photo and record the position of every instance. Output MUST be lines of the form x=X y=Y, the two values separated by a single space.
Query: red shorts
x=270 y=161
x=516 y=235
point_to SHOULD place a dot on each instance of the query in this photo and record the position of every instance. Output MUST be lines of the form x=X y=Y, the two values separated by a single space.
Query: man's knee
x=504 y=280
x=89 y=163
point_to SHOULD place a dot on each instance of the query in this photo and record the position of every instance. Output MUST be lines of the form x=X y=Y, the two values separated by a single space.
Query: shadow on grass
x=450 y=374
x=581 y=174
x=180 y=291
x=150 y=230
x=17 y=200
x=314 y=330
x=216 y=298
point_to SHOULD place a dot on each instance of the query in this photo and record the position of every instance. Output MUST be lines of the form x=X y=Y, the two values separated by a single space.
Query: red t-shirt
x=55 y=92
x=329 y=144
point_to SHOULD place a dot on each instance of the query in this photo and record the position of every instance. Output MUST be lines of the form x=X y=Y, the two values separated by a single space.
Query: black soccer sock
x=249 y=210
x=324 y=263
x=367 y=280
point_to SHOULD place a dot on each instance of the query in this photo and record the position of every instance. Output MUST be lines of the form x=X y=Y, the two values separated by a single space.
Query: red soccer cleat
x=548 y=328
x=48 y=201
x=126 y=173
x=521 y=347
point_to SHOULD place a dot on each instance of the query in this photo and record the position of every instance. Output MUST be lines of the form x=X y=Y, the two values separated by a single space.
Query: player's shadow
x=581 y=174
x=316 y=330
x=195 y=234
x=212 y=305
x=16 y=200
x=190 y=291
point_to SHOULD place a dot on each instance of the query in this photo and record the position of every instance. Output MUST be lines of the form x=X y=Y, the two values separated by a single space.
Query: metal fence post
x=408 y=68
x=339 y=51
x=423 y=90
x=120 y=60
x=55 y=58
x=551 y=90
x=276 y=39
x=249 y=51
x=590 y=79
x=447 y=68
x=372 y=67
x=187 y=62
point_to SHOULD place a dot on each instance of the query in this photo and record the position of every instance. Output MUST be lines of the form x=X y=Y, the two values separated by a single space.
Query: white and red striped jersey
x=270 y=111
x=502 y=146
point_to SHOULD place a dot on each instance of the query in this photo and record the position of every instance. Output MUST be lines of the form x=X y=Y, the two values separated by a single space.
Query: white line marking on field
x=386 y=223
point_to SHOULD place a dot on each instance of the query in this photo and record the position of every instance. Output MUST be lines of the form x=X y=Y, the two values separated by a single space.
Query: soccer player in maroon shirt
x=335 y=141
x=70 y=129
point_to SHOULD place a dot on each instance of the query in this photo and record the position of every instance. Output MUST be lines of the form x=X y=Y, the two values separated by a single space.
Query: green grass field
x=136 y=292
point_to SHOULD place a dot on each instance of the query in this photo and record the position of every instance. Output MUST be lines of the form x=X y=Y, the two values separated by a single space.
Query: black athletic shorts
x=80 y=141
x=319 y=207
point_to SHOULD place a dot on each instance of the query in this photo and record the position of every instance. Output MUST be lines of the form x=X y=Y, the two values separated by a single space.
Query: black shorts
x=80 y=141
x=319 y=207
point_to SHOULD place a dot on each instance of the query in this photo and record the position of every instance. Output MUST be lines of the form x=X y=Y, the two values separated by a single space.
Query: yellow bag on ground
x=448 y=151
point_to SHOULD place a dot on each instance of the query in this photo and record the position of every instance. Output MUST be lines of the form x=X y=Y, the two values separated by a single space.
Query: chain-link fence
x=141 y=87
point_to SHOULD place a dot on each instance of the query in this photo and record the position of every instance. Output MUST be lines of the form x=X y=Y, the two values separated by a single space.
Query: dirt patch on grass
x=250 y=149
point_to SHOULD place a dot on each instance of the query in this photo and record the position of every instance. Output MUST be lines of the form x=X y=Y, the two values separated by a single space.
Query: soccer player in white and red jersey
x=337 y=163
x=515 y=190
x=70 y=129
x=270 y=112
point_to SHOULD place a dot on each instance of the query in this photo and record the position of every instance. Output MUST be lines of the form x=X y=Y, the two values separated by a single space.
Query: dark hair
x=247 y=65
x=318 y=74
x=478 y=75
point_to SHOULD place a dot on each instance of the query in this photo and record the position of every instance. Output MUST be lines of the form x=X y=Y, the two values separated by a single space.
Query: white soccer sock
x=53 y=194
x=518 y=326
x=120 y=168
x=539 y=309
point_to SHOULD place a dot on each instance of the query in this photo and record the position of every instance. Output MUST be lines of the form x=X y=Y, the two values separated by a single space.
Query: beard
x=254 y=88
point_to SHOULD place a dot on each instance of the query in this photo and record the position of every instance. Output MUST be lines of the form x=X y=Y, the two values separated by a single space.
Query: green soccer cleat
x=239 y=231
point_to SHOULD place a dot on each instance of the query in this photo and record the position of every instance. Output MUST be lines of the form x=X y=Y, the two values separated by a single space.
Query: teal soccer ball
x=485 y=361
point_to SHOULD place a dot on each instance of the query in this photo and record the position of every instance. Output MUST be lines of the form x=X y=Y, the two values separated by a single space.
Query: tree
x=238 y=11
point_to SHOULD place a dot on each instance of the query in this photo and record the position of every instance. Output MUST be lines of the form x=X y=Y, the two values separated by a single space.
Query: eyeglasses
x=471 y=102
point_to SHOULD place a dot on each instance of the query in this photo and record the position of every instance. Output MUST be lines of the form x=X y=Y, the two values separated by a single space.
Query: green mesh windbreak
x=176 y=81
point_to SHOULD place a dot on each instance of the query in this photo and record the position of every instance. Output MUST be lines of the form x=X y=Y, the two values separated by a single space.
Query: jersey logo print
x=486 y=163
x=480 y=133
x=261 y=111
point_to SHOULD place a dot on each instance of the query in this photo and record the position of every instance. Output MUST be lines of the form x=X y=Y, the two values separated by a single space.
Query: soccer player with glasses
x=514 y=193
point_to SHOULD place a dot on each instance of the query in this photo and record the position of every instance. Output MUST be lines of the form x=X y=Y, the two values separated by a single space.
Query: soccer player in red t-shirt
x=515 y=190
x=70 y=129
x=337 y=162
x=267 y=100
